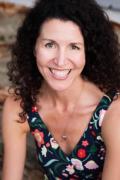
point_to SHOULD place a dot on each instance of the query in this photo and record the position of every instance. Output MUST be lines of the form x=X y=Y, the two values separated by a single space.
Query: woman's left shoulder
x=111 y=123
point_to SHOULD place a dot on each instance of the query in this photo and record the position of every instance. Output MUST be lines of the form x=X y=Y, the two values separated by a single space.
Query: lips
x=60 y=73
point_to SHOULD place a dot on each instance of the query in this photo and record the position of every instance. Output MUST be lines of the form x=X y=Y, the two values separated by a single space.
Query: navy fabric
x=87 y=158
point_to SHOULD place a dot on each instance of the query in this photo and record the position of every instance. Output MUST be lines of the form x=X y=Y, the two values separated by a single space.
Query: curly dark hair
x=101 y=47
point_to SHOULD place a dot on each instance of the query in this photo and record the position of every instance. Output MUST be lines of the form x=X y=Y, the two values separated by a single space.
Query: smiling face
x=60 y=53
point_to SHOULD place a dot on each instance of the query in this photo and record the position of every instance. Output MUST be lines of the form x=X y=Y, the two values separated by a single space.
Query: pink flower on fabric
x=85 y=143
x=70 y=169
x=77 y=164
x=39 y=136
x=53 y=143
x=47 y=144
x=91 y=165
x=101 y=116
x=65 y=175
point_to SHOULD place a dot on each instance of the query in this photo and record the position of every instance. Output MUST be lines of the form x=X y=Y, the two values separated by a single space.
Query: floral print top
x=87 y=158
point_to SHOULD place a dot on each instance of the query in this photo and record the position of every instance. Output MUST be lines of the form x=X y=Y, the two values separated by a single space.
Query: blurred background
x=12 y=13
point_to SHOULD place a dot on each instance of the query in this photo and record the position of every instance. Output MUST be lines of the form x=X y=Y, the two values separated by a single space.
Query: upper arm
x=111 y=136
x=14 y=139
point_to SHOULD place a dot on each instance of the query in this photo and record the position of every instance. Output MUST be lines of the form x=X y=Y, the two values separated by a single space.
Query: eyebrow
x=44 y=39
x=76 y=43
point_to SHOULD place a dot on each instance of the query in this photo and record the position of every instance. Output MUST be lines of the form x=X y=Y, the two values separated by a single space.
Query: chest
x=67 y=128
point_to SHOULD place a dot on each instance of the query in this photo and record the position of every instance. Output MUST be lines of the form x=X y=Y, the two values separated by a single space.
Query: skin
x=60 y=58
x=60 y=54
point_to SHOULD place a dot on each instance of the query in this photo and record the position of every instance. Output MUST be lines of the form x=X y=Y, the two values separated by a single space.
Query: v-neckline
x=59 y=147
x=79 y=142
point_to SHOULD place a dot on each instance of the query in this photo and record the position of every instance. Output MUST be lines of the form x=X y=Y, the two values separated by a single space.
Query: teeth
x=60 y=73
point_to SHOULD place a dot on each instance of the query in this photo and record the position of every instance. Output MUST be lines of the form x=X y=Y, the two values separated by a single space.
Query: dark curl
x=101 y=47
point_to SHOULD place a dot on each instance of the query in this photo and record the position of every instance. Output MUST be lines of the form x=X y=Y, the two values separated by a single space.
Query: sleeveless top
x=86 y=160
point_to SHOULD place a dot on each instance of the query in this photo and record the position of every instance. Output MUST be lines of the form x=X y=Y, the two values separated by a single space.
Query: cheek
x=79 y=59
x=43 y=56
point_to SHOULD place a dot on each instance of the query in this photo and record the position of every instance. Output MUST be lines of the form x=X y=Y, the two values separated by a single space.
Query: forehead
x=56 y=28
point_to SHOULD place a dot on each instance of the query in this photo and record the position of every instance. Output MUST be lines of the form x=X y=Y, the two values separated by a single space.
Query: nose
x=60 y=59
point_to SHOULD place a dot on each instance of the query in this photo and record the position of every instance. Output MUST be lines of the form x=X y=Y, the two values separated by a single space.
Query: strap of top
x=101 y=109
x=113 y=94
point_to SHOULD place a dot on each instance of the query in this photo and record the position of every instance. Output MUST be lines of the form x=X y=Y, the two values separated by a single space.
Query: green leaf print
x=33 y=120
x=93 y=149
x=58 y=165
x=50 y=162
x=40 y=158
x=62 y=155
x=51 y=171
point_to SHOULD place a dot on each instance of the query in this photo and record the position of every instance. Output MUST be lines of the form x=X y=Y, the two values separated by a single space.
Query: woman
x=65 y=72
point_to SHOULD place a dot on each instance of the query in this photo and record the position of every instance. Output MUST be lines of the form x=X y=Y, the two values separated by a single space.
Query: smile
x=60 y=74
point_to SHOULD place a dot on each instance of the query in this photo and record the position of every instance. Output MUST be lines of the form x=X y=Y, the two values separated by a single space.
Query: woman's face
x=60 y=53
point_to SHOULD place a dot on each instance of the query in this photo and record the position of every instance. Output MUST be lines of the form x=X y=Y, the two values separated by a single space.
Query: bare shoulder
x=14 y=135
x=111 y=136
x=11 y=110
x=111 y=124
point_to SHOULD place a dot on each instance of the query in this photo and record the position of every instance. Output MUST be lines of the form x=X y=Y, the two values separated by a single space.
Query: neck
x=65 y=100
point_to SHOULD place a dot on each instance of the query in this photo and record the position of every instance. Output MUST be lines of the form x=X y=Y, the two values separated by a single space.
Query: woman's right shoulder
x=12 y=103
x=11 y=110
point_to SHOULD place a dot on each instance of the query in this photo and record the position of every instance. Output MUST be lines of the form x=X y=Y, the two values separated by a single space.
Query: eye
x=49 y=45
x=75 y=47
